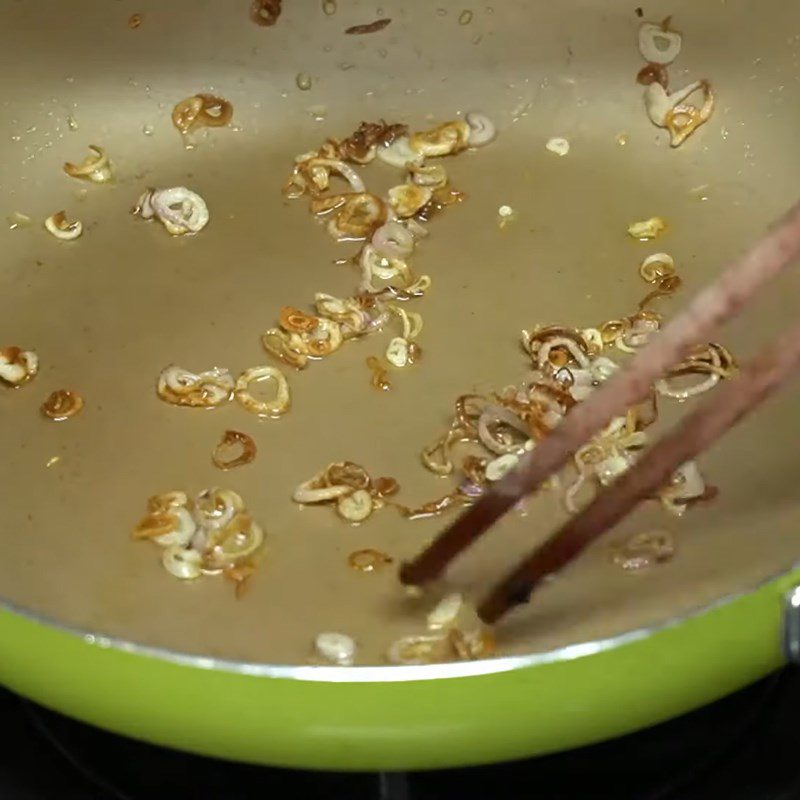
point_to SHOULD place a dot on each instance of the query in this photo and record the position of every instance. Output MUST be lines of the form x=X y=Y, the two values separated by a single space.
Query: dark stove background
x=742 y=748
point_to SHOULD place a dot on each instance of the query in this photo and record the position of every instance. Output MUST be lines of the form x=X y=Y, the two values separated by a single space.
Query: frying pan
x=90 y=625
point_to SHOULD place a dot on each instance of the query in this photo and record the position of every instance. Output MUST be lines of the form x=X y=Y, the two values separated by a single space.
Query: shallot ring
x=230 y=438
x=264 y=408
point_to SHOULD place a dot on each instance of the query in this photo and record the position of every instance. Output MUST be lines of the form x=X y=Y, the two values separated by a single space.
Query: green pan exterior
x=405 y=724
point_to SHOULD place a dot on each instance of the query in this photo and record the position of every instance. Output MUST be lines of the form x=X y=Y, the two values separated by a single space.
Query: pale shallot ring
x=279 y=344
x=356 y=506
x=481 y=129
x=710 y=381
x=649 y=34
x=62 y=404
x=310 y=492
x=66 y=231
x=271 y=408
x=17 y=366
x=181 y=563
x=93 y=168
x=229 y=439
x=392 y=240
x=345 y=170
x=192 y=216
x=656 y=267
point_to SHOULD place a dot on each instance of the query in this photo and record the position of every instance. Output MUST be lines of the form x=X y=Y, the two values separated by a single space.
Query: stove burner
x=740 y=748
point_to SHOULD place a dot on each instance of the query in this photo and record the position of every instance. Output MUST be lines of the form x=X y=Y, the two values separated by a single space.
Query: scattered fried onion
x=222 y=456
x=265 y=12
x=62 y=404
x=350 y=487
x=644 y=550
x=209 y=389
x=276 y=407
x=201 y=111
x=95 y=168
x=17 y=366
x=212 y=535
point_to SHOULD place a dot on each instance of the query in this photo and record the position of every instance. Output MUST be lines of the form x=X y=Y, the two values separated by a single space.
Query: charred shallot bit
x=201 y=111
x=178 y=209
x=61 y=405
x=234 y=449
x=379 y=379
x=209 y=389
x=58 y=225
x=277 y=406
x=95 y=168
x=368 y=560
x=17 y=366
x=348 y=486
x=643 y=550
x=214 y=534
x=265 y=12
x=363 y=144
x=370 y=27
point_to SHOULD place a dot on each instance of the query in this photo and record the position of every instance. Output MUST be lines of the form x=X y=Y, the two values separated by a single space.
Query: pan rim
x=388 y=673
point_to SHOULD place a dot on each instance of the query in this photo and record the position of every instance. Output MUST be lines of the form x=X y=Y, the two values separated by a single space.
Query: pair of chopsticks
x=698 y=322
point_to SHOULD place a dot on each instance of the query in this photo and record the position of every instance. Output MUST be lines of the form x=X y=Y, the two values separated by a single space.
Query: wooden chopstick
x=696 y=323
x=694 y=434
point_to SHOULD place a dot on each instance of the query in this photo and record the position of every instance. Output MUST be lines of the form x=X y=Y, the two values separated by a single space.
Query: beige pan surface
x=108 y=311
